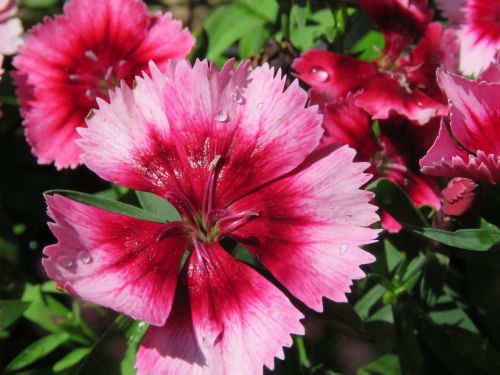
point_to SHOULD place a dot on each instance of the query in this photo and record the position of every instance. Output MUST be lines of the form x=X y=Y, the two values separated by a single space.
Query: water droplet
x=85 y=257
x=88 y=93
x=73 y=77
x=90 y=55
x=238 y=98
x=343 y=249
x=420 y=104
x=319 y=74
x=221 y=116
x=65 y=261
x=260 y=105
x=276 y=315
x=330 y=206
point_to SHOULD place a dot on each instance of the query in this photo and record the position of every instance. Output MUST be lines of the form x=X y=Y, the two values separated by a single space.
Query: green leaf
x=267 y=9
x=467 y=239
x=36 y=351
x=115 y=351
x=72 y=358
x=227 y=25
x=45 y=310
x=387 y=365
x=252 y=43
x=410 y=354
x=394 y=200
x=39 y=3
x=107 y=204
x=370 y=46
x=369 y=299
x=393 y=256
x=158 y=206
x=10 y=311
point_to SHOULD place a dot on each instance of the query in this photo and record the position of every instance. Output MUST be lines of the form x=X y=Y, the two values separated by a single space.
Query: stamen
x=208 y=195
x=235 y=221
x=169 y=230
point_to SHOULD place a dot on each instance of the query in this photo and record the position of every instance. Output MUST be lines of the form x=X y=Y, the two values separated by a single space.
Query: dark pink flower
x=401 y=21
x=234 y=153
x=10 y=28
x=478 y=28
x=405 y=86
x=468 y=144
x=70 y=60
x=459 y=196
x=393 y=155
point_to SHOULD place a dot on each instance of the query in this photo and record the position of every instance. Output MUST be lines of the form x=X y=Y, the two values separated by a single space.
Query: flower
x=478 y=28
x=459 y=196
x=10 y=28
x=392 y=85
x=234 y=153
x=468 y=144
x=401 y=21
x=70 y=60
x=393 y=154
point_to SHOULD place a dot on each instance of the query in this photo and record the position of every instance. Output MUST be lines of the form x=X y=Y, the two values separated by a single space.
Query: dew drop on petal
x=276 y=315
x=260 y=105
x=343 y=249
x=238 y=98
x=221 y=116
x=65 y=261
x=319 y=74
x=330 y=206
x=85 y=257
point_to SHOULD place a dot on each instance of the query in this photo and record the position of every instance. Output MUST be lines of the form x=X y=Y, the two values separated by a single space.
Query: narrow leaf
x=467 y=239
x=157 y=206
x=107 y=204
x=36 y=351
x=10 y=311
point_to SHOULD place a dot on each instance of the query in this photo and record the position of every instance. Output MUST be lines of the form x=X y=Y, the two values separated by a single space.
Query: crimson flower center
x=95 y=74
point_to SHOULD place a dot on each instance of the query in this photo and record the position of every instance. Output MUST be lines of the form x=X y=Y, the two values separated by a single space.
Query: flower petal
x=242 y=117
x=332 y=75
x=399 y=20
x=385 y=96
x=238 y=322
x=474 y=113
x=160 y=49
x=311 y=224
x=345 y=123
x=114 y=260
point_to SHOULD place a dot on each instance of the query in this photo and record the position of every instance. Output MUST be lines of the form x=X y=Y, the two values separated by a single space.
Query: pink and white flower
x=393 y=155
x=11 y=28
x=468 y=144
x=233 y=151
x=478 y=27
x=70 y=60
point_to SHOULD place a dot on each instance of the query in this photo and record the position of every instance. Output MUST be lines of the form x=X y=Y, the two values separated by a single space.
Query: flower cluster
x=248 y=159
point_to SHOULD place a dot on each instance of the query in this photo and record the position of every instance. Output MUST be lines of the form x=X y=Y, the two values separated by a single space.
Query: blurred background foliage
x=430 y=303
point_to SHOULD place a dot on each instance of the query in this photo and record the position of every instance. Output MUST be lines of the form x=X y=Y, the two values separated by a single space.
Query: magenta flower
x=478 y=29
x=468 y=144
x=392 y=85
x=401 y=21
x=393 y=155
x=10 y=28
x=234 y=153
x=69 y=61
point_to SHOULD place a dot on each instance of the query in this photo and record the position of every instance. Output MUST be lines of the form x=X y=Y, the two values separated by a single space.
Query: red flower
x=403 y=86
x=459 y=196
x=234 y=153
x=69 y=61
